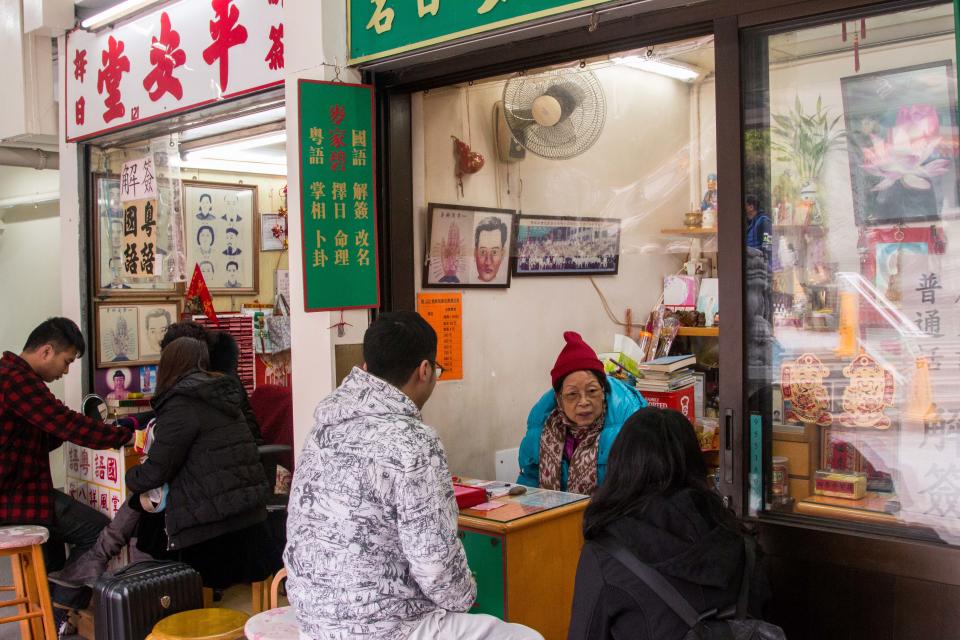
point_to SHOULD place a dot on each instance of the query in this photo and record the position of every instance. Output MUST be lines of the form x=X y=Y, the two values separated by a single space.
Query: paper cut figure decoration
x=803 y=387
x=869 y=393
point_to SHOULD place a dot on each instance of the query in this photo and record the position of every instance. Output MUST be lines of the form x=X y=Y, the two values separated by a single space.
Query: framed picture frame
x=110 y=247
x=222 y=229
x=467 y=247
x=566 y=246
x=885 y=244
x=268 y=241
x=128 y=332
x=888 y=110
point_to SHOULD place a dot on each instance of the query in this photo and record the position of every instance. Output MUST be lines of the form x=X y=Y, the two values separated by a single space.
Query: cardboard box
x=681 y=400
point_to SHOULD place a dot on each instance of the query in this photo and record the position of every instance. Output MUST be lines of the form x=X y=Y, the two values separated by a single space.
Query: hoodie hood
x=679 y=537
x=222 y=392
x=363 y=395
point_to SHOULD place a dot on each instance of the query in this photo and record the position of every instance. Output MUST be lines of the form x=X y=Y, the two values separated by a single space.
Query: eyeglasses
x=572 y=397
x=438 y=369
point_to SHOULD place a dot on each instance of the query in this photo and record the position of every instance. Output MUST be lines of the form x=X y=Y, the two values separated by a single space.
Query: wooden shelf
x=684 y=231
x=704 y=332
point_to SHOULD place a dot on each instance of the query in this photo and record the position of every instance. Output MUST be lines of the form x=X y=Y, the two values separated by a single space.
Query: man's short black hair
x=395 y=345
x=61 y=333
x=490 y=224
x=752 y=201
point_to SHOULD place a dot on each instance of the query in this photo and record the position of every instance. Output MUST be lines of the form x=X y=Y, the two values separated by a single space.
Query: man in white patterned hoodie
x=372 y=547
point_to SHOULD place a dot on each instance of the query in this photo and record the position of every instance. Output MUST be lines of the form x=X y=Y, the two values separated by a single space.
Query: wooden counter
x=524 y=556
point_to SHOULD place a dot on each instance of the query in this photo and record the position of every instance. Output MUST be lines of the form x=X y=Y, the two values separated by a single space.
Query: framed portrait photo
x=221 y=235
x=468 y=246
x=129 y=333
x=566 y=246
x=124 y=264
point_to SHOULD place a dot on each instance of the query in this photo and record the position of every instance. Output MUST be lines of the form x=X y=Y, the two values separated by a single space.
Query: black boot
x=85 y=568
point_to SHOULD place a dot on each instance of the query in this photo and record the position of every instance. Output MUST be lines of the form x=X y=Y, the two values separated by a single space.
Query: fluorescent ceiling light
x=671 y=69
x=114 y=13
x=235 y=166
x=232 y=148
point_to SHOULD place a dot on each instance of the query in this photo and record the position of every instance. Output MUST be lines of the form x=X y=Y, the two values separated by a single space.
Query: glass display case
x=851 y=289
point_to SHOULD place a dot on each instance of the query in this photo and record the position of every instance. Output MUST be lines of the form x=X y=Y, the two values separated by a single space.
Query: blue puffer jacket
x=622 y=401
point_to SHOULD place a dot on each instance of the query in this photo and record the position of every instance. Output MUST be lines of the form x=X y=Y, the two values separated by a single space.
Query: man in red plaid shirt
x=32 y=424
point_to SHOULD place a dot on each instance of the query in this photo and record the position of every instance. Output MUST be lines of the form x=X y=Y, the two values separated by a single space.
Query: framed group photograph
x=468 y=246
x=566 y=246
x=901 y=129
x=132 y=243
x=129 y=333
x=222 y=226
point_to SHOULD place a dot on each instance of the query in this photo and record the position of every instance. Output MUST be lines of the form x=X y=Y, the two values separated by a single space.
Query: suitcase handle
x=142 y=564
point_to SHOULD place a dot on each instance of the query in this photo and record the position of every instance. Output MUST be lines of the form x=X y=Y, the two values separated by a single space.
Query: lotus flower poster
x=901 y=127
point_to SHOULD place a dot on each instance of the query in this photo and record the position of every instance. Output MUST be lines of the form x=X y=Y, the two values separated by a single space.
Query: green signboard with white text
x=381 y=28
x=337 y=203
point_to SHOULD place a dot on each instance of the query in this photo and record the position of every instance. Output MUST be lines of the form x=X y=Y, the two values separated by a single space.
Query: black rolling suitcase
x=128 y=603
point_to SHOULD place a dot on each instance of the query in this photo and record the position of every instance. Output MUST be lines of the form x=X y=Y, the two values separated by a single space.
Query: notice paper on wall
x=444 y=312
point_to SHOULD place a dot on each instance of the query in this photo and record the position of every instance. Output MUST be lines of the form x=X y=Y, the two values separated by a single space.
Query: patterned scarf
x=582 y=476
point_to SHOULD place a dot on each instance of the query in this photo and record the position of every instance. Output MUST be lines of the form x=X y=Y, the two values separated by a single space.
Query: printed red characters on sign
x=79 y=110
x=226 y=33
x=165 y=56
x=115 y=64
x=80 y=65
x=275 y=56
x=112 y=474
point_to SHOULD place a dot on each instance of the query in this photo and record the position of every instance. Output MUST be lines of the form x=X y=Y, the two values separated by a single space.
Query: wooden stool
x=273 y=624
x=34 y=609
x=201 y=624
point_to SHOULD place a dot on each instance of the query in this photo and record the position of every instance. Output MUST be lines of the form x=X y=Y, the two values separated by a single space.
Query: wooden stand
x=524 y=556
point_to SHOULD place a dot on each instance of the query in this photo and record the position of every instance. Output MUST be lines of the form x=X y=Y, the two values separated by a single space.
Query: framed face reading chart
x=222 y=226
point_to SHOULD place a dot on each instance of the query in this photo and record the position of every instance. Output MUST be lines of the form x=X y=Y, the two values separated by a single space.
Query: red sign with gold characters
x=182 y=56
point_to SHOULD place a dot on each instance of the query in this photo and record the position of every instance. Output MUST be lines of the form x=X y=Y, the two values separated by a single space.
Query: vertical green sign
x=337 y=201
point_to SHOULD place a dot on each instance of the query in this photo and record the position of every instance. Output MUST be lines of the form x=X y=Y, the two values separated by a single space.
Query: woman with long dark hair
x=658 y=504
x=203 y=449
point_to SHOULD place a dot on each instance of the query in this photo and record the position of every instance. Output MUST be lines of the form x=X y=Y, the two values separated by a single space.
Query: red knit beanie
x=575 y=356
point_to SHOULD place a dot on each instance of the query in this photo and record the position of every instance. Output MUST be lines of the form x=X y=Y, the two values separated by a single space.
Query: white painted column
x=70 y=220
x=312 y=339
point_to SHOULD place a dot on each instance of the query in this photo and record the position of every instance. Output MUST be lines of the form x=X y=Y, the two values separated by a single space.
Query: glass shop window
x=577 y=197
x=851 y=275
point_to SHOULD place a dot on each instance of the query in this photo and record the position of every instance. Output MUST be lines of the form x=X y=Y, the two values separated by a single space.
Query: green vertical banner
x=337 y=203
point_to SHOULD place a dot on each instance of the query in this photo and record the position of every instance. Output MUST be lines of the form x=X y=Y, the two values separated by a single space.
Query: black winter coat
x=677 y=536
x=204 y=449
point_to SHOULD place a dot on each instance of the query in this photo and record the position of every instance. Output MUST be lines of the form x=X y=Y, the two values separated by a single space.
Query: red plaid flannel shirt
x=33 y=423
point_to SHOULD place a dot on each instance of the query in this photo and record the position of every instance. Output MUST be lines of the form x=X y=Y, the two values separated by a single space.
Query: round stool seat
x=273 y=624
x=201 y=624
x=23 y=535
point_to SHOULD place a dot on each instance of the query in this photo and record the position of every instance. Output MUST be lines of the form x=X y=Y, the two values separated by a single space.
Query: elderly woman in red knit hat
x=571 y=429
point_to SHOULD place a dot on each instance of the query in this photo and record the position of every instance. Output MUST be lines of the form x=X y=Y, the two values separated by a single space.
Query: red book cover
x=468 y=496
x=679 y=399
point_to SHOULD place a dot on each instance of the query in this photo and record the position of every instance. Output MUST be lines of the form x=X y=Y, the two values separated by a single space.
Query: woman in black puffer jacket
x=215 y=515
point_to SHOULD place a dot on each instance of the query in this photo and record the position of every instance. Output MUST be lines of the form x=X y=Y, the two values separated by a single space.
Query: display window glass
x=852 y=295
x=577 y=197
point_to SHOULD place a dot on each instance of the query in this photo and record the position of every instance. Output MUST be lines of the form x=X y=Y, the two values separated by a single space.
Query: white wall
x=30 y=263
x=638 y=171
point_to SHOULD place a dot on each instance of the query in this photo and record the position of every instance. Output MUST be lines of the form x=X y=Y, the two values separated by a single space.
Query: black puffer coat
x=679 y=537
x=204 y=449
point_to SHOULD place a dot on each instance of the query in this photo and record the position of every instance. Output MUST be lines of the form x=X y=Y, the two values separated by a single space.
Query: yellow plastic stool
x=201 y=624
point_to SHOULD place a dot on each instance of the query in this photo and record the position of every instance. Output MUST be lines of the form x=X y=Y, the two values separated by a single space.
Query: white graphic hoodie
x=372 y=541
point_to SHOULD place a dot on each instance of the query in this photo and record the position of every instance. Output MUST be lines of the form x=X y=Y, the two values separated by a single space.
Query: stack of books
x=669 y=383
